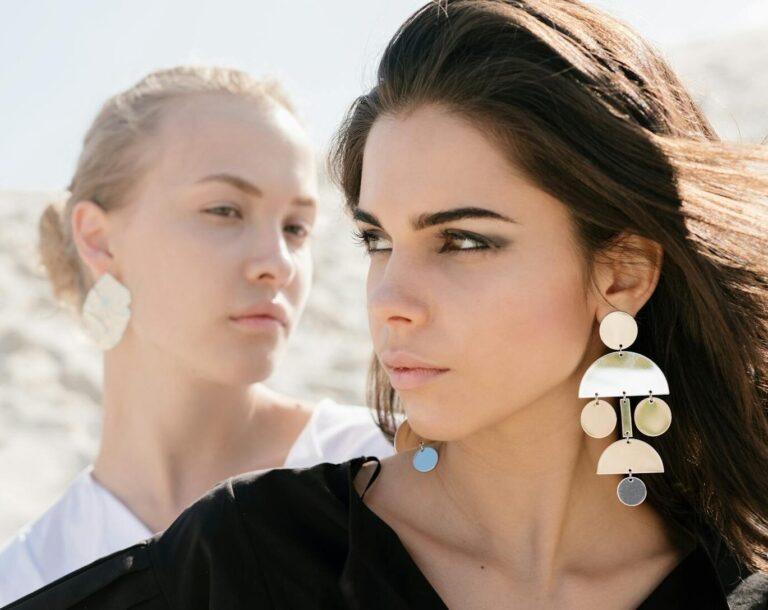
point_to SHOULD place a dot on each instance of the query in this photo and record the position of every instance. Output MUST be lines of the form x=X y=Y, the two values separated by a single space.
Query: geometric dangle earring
x=106 y=311
x=425 y=458
x=623 y=374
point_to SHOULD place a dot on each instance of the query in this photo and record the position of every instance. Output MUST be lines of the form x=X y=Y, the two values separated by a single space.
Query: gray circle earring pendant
x=631 y=491
x=425 y=458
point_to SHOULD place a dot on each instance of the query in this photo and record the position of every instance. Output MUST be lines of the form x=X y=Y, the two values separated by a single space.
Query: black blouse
x=303 y=538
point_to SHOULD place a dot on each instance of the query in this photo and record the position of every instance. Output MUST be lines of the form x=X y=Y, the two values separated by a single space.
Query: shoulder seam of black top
x=254 y=552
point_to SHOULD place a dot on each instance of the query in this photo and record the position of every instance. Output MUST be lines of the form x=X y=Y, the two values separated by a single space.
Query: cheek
x=532 y=331
x=508 y=345
x=177 y=283
x=178 y=291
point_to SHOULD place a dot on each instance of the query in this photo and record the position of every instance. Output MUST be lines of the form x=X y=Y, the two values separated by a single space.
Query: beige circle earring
x=425 y=458
x=623 y=374
x=106 y=311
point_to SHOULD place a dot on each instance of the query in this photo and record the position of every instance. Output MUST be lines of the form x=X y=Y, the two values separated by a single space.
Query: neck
x=169 y=435
x=530 y=490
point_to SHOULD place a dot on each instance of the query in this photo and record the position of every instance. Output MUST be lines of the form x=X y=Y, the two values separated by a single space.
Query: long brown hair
x=598 y=120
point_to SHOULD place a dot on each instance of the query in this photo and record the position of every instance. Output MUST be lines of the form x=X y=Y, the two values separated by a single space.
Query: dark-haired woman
x=563 y=256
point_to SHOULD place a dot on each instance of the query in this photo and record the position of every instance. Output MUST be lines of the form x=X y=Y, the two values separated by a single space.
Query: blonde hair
x=111 y=164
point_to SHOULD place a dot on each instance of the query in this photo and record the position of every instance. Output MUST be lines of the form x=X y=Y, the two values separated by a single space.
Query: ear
x=626 y=274
x=90 y=231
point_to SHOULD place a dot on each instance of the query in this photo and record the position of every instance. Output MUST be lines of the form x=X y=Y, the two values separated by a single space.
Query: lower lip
x=258 y=323
x=408 y=379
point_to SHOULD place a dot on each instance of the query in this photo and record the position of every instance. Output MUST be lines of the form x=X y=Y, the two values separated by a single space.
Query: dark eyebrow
x=248 y=187
x=437 y=218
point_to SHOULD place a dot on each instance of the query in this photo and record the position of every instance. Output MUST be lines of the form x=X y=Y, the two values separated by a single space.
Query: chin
x=436 y=420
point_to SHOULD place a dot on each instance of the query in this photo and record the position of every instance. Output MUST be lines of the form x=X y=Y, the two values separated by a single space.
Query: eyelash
x=228 y=207
x=365 y=238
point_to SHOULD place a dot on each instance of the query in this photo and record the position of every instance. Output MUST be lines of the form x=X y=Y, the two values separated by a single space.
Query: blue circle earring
x=425 y=458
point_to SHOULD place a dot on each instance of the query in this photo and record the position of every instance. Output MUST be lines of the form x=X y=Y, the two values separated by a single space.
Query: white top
x=88 y=522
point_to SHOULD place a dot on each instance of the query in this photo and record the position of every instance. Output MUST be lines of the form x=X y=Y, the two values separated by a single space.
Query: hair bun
x=61 y=267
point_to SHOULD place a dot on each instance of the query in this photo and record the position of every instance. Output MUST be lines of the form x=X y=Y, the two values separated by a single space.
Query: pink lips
x=258 y=323
x=407 y=372
x=262 y=316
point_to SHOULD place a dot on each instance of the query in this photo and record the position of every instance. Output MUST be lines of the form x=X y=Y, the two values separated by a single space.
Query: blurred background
x=63 y=59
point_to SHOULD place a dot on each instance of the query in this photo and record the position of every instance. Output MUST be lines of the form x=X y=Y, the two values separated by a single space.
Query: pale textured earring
x=425 y=458
x=106 y=311
x=623 y=374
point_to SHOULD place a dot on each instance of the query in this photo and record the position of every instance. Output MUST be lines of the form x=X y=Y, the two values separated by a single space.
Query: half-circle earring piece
x=106 y=311
x=405 y=438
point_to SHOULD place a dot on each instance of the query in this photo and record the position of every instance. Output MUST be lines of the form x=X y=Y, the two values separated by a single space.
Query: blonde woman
x=184 y=246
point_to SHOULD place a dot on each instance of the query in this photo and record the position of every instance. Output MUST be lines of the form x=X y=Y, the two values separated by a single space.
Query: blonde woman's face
x=473 y=274
x=221 y=224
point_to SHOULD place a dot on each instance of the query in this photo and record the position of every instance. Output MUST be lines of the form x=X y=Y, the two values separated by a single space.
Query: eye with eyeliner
x=369 y=238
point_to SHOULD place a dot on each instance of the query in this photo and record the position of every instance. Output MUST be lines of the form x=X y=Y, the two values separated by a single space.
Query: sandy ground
x=49 y=372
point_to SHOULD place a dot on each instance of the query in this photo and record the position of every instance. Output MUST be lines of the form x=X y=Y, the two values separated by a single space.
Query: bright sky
x=62 y=59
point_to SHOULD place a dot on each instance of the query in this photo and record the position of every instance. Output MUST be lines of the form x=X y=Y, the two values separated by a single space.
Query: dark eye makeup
x=450 y=238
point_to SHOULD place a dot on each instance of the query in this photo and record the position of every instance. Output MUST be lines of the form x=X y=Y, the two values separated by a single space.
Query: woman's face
x=220 y=224
x=473 y=271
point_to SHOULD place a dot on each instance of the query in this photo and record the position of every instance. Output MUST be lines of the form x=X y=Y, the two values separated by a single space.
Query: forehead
x=210 y=134
x=431 y=158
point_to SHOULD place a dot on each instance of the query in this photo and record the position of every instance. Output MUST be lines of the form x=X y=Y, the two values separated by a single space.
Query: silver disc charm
x=631 y=491
x=618 y=330
x=425 y=459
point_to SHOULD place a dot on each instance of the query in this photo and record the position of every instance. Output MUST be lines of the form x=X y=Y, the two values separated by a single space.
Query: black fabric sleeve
x=121 y=580
x=203 y=560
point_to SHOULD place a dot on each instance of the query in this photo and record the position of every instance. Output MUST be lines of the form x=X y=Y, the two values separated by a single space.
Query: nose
x=271 y=261
x=396 y=295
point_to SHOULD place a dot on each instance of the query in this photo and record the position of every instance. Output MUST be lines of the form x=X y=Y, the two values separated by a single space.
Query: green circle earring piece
x=623 y=374
x=653 y=416
x=425 y=458
x=106 y=311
